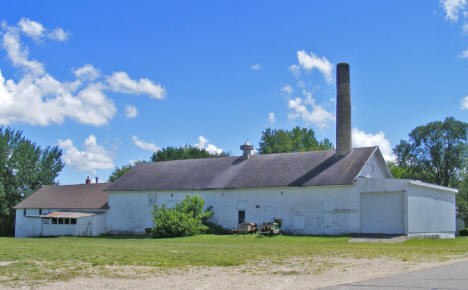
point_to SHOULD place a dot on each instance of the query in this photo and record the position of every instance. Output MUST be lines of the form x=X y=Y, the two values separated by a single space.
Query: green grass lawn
x=66 y=257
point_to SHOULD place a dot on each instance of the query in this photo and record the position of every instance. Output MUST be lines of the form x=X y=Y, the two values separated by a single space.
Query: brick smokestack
x=343 y=110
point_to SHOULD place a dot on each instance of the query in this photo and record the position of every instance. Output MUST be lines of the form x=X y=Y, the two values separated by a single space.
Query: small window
x=73 y=221
x=66 y=221
x=60 y=221
x=40 y=211
x=241 y=217
x=24 y=212
x=54 y=221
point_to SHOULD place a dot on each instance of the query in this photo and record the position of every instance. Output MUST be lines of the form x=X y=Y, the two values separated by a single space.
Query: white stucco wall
x=29 y=225
x=430 y=212
x=311 y=211
x=375 y=168
x=32 y=225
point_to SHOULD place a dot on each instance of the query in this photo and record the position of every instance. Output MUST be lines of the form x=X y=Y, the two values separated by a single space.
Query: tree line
x=435 y=152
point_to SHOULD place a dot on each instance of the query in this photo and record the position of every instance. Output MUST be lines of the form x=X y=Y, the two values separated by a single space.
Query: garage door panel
x=382 y=213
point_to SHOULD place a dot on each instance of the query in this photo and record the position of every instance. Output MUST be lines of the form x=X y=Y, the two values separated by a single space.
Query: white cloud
x=87 y=73
x=464 y=103
x=295 y=69
x=42 y=100
x=17 y=54
x=58 y=34
x=256 y=66
x=464 y=54
x=94 y=156
x=145 y=145
x=288 y=90
x=311 y=61
x=121 y=82
x=271 y=118
x=363 y=139
x=131 y=111
x=309 y=111
x=37 y=98
x=31 y=28
x=453 y=8
x=203 y=144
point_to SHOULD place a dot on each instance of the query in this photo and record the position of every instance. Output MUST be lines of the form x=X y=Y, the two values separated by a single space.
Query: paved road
x=454 y=276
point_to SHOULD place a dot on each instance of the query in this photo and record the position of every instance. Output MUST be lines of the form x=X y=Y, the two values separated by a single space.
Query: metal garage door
x=382 y=213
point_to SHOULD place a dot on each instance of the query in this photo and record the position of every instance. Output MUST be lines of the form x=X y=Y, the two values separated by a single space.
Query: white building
x=342 y=191
x=74 y=210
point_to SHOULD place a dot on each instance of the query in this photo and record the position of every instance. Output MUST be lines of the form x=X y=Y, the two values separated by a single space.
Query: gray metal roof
x=314 y=168
x=79 y=196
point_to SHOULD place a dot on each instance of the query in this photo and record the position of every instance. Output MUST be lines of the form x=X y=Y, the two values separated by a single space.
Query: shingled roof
x=260 y=171
x=80 y=196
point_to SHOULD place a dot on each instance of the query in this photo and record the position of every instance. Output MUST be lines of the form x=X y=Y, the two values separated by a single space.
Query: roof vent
x=88 y=181
x=247 y=148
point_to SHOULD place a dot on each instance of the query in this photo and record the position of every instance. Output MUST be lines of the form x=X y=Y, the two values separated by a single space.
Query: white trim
x=432 y=186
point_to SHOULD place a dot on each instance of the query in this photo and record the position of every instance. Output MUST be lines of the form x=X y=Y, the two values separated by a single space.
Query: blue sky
x=112 y=81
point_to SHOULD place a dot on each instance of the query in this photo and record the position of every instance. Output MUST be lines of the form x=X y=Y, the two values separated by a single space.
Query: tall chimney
x=88 y=181
x=343 y=110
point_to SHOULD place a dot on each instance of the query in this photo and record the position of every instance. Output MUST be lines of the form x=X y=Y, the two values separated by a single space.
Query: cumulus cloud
x=93 y=157
x=58 y=34
x=464 y=103
x=87 y=73
x=363 y=139
x=121 y=82
x=36 y=30
x=131 y=111
x=38 y=98
x=309 y=111
x=31 y=28
x=145 y=145
x=203 y=144
x=453 y=8
x=464 y=54
x=310 y=61
x=271 y=118
x=288 y=90
x=256 y=66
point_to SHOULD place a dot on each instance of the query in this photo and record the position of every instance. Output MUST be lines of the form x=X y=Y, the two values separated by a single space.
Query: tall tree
x=295 y=140
x=184 y=152
x=119 y=172
x=435 y=152
x=24 y=168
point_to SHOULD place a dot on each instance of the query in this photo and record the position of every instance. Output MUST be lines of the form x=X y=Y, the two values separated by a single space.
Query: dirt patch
x=5 y=263
x=296 y=273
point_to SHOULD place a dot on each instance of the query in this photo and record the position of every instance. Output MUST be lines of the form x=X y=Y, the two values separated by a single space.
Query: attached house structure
x=342 y=191
x=57 y=210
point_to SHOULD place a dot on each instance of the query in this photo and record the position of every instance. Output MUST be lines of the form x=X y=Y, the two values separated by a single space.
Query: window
x=241 y=217
x=54 y=221
x=24 y=212
x=66 y=221
x=60 y=221
x=40 y=211
x=73 y=221
x=152 y=199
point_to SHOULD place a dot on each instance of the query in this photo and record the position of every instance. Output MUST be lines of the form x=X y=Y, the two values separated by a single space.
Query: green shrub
x=463 y=232
x=187 y=218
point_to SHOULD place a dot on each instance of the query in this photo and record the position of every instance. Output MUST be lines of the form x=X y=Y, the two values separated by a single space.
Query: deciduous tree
x=24 y=168
x=295 y=140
